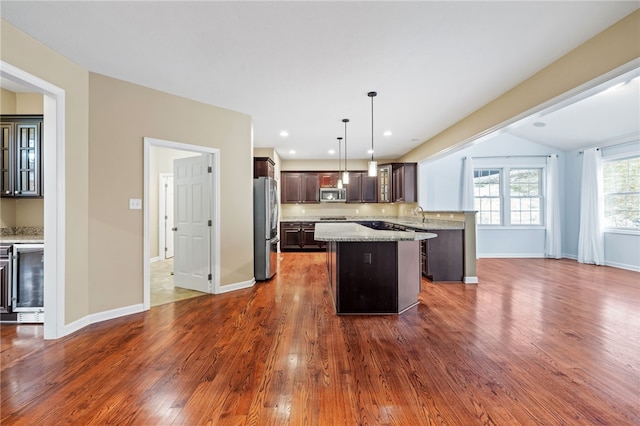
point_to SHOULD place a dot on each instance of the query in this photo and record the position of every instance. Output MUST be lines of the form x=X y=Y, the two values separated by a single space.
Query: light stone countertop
x=429 y=224
x=349 y=231
x=22 y=239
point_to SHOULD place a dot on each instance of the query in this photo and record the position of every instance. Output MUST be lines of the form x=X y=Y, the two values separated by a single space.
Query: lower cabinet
x=442 y=258
x=298 y=236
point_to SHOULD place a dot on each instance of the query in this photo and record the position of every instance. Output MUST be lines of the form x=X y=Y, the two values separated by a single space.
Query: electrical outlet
x=357 y=211
x=367 y=258
x=135 y=204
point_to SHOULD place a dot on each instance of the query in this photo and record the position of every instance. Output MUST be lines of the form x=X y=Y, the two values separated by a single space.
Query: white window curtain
x=467 y=198
x=591 y=237
x=553 y=237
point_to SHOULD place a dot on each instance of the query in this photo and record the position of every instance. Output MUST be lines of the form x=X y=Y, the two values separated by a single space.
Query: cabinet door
x=369 y=188
x=328 y=179
x=445 y=255
x=263 y=166
x=290 y=236
x=310 y=187
x=291 y=183
x=384 y=184
x=308 y=236
x=27 y=179
x=7 y=132
x=404 y=183
x=354 y=188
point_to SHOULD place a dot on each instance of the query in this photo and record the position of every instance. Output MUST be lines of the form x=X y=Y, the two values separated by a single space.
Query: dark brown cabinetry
x=263 y=167
x=328 y=179
x=296 y=236
x=442 y=258
x=373 y=277
x=5 y=261
x=300 y=187
x=20 y=155
x=362 y=188
x=397 y=183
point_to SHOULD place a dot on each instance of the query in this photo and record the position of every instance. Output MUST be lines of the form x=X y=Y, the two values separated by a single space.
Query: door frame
x=53 y=133
x=215 y=209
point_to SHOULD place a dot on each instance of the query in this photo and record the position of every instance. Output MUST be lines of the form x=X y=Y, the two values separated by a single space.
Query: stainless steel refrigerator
x=265 y=227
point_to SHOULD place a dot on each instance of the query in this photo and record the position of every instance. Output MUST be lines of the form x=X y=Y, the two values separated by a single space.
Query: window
x=621 y=185
x=520 y=204
x=486 y=192
x=525 y=195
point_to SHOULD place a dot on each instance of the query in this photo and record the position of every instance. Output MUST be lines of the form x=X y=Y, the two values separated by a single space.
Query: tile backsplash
x=339 y=209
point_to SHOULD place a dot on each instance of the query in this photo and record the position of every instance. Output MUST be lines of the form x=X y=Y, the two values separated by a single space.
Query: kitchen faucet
x=421 y=211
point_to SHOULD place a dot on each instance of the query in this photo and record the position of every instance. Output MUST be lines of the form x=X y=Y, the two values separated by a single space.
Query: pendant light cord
x=372 y=95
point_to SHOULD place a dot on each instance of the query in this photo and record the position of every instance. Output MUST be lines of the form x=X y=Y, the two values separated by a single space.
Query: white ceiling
x=304 y=66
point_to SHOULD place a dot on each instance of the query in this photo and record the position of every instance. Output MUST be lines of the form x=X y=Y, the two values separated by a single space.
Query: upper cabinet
x=328 y=179
x=300 y=187
x=362 y=188
x=21 y=159
x=397 y=183
x=263 y=167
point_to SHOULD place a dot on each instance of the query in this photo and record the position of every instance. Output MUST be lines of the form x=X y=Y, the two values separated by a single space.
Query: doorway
x=54 y=203
x=159 y=156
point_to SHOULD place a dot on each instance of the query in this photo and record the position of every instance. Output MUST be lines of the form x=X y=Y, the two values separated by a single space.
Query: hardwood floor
x=537 y=342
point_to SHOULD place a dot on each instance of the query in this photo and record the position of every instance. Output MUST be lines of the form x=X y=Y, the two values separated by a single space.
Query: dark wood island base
x=372 y=272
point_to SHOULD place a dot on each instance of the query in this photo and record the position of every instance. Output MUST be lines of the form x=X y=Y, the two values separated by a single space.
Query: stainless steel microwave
x=333 y=195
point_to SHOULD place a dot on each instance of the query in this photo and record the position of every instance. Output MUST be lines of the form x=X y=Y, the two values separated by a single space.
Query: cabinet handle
x=174 y=229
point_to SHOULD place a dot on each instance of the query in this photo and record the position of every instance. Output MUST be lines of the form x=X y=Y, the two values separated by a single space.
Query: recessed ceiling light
x=292 y=152
x=539 y=124
x=332 y=151
x=284 y=133
x=388 y=133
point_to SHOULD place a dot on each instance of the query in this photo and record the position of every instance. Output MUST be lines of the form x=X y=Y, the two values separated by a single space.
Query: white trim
x=511 y=255
x=635 y=268
x=215 y=202
x=470 y=280
x=236 y=286
x=102 y=316
x=155 y=259
x=53 y=132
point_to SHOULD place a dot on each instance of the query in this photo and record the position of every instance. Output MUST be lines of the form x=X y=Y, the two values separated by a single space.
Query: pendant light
x=345 y=175
x=373 y=164
x=339 y=163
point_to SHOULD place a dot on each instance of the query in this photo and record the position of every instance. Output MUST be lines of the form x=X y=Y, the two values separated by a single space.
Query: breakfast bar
x=372 y=271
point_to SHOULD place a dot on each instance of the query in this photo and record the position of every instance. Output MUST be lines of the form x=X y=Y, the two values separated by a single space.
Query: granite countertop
x=22 y=235
x=22 y=239
x=349 y=231
x=429 y=224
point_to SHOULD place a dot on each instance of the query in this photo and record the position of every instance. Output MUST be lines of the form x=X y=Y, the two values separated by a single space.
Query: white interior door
x=192 y=223
x=168 y=216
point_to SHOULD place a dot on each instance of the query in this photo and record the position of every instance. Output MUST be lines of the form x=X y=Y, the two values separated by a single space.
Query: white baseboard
x=236 y=286
x=101 y=316
x=511 y=255
x=635 y=268
x=470 y=280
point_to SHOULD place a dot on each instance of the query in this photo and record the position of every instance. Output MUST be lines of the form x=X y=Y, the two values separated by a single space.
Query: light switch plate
x=135 y=204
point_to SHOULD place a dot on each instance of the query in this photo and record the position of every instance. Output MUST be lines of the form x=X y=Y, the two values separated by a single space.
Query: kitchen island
x=372 y=271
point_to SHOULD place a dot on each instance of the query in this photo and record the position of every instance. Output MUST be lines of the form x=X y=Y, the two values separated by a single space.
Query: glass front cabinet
x=21 y=149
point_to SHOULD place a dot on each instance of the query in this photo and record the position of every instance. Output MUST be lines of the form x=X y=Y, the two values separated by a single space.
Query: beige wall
x=7 y=102
x=29 y=103
x=122 y=114
x=614 y=47
x=25 y=53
